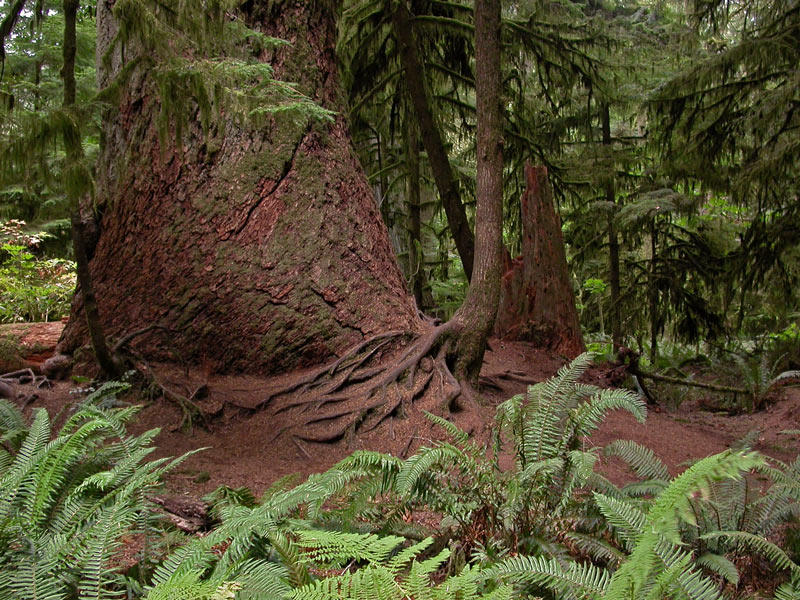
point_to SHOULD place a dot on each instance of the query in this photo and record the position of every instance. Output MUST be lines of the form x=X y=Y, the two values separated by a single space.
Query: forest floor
x=243 y=449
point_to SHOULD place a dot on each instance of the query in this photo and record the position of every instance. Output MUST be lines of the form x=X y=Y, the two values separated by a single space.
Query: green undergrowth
x=451 y=521
x=31 y=288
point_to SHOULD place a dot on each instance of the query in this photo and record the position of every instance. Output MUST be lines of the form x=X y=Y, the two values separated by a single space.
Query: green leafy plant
x=726 y=522
x=519 y=510
x=760 y=377
x=66 y=501
x=32 y=289
x=656 y=564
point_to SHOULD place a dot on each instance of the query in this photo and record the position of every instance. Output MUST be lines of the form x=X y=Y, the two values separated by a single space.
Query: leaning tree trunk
x=537 y=302
x=443 y=176
x=260 y=250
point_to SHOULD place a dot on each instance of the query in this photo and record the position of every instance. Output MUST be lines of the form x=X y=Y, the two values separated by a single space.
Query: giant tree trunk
x=262 y=250
x=537 y=302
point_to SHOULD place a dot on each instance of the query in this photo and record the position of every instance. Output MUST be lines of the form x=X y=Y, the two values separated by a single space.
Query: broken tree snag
x=537 y=303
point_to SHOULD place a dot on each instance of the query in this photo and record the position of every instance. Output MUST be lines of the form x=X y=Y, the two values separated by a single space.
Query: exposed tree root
x=26 y=376
x=22 y=377
x=369 y=384
x=190 y=410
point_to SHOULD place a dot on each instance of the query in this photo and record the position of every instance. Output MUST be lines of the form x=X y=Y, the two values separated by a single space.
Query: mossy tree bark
x=261 y=248
x=537 y=301
x=613 y=240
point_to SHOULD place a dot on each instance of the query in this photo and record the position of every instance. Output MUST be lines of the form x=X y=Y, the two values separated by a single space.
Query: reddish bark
x=537 y=302
x=262 y=249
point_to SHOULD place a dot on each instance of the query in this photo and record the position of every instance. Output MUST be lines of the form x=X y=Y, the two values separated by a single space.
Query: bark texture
x=538 y=304
x=613 y=240
x=262 y=250
x=476 y=316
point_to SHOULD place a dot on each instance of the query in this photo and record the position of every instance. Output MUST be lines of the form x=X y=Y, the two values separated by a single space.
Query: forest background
x=670 y=135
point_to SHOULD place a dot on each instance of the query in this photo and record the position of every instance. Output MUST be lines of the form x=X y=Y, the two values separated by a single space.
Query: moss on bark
x=265 y=254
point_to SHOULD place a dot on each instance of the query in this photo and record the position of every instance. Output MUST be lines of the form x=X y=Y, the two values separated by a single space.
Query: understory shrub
x=31 y=289
x=68 y=500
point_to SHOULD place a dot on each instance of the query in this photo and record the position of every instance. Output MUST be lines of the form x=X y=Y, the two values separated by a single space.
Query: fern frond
x=756 y=543
x=262 y=579
x=194 y=557
x=789 y=590
x=628 y=520
x=584 y=580
x=12 y=425
x=32 y=575
x=406 y=555
x=417 y=584
x=334 y=546
x=102 y=540
x=186 y=586
x=674 y=500
x=105 y=394
x=641 y=489
x=641 y=459
x=33 y=449
x=423 y=462
x=458 y=435
x=580 y=466
x=719 y=565
x=596 y=548
x=589 y=415
x=367 y=582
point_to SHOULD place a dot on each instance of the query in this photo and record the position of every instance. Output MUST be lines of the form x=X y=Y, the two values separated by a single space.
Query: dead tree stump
x=537 y=303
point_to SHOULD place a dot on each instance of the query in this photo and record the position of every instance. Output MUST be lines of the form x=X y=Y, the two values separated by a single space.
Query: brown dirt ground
x=242 y=451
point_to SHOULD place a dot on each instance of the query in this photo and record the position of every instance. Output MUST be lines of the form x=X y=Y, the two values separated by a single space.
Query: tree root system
x=9 y=381
x=381 y=377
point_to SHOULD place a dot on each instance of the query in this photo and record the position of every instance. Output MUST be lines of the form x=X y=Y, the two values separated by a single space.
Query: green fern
x=662 y=528
x=641 y=459
x=66 y=503
x=789 y=590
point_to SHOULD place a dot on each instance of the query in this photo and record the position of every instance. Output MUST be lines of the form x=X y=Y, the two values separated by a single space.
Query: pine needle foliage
x=67 y=500
x=204 y=59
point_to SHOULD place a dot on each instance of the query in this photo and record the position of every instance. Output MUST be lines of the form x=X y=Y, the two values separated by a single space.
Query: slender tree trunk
x=416 y=256
x=69 y=50
x=653 y=293
x=6 y=27
x=432 y=139
x=74 y=153
x=613 y=239
x=476 y=316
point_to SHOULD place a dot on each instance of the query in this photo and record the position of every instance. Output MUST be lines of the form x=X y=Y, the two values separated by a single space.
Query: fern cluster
x=548 y=527
x=67 y=500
